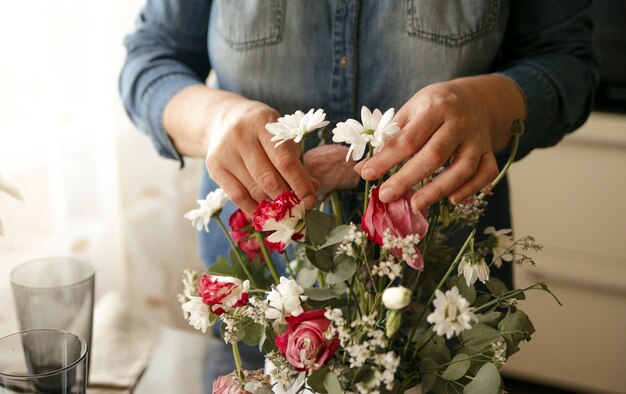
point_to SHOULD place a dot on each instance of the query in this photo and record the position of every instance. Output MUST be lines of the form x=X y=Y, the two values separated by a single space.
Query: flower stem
x=266 y=257
x=517 y=129
x=441 y=282
x=234 y=247
x=237 y=358
x=366 y=192
x=336 y=203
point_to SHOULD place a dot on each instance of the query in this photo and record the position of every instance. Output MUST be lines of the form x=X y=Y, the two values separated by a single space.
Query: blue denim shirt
x=342 y=54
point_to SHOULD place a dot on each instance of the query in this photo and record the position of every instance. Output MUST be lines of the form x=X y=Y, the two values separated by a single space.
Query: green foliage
x=468 y=292
x=486 y=381
x=317 y=379
x=457 y=367
x=319 y=227
x=479 y=338
x=325 y=293
x=344 y=268
x=515 y=327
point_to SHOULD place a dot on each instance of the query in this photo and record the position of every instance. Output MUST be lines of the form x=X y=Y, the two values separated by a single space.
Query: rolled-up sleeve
x=165 y=54
x=548 y=52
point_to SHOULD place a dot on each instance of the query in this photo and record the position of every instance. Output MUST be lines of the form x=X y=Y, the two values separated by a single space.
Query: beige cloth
x=122 y=344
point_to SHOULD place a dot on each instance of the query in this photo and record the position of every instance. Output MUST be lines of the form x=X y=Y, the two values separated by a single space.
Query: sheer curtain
x=93 y=186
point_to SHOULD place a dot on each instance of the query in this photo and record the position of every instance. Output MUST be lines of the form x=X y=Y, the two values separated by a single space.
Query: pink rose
x=227 y=384
x=398 y=217
x=283 y=218
x=223 y=293
x=240 y=230
x=304 y=343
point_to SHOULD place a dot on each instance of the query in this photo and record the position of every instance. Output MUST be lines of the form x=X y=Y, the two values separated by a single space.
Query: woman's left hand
x=465 y=120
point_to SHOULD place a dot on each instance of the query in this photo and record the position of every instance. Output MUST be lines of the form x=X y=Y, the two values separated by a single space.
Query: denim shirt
x=342 y=54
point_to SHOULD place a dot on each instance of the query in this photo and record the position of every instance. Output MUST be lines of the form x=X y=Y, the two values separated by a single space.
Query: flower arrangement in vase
x=381 y=301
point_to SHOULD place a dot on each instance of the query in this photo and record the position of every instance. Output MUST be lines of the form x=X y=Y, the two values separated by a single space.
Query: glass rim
x=83 y=355
x=87 y=278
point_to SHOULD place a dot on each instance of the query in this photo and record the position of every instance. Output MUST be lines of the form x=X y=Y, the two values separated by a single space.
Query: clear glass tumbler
x=43 y=361
x=55 y=292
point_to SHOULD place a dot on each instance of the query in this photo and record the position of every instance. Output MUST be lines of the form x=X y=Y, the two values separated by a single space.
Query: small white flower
x=285 y=299
x=295 y=127
x=374 y=129
x=500 y=244
x=209 y=207
x=473 y=267
x=396 y=298
x=499 y=353
x=452 y=314
x=198 y=313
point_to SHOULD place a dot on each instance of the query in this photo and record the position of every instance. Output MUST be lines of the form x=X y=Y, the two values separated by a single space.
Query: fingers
x=286 y=159
x=411 y=138
x=486 y=173
x=235 y=190
x=263 y=174
x=425 y=162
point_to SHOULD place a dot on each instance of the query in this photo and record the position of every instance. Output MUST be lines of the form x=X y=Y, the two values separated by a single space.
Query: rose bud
x=396 y=298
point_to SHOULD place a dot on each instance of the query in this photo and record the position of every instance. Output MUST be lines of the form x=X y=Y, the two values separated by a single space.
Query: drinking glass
x=43 y=361
x=55 y=292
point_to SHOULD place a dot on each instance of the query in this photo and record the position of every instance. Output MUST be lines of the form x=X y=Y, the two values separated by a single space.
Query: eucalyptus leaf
x=515 y=327
x=479 y=338
x=316 y=380
x=344 y=269
x=320 y=294
x=324 y=259
x=496 y=286
x=457 y=367
x=437 y=350
x=331 y=383
x=365 y=374
x=429 y=369
x=336 y=235
x=306 y=277
x=319 y=225
x=490 y=318
x=221 y=267
x=486 y=381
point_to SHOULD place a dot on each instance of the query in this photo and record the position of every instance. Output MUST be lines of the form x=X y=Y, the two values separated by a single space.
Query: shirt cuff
x=154 y=100
x=541 y=106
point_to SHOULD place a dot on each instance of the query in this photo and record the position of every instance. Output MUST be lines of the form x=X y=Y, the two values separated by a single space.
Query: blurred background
x=94 y=188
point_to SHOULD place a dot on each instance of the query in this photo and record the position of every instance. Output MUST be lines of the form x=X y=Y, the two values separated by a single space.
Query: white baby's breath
x=295 y=127
x=207 y=208
x=452 y=314
x=373 y=129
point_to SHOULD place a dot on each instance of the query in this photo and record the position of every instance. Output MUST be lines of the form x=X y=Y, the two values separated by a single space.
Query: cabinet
x=572 y=199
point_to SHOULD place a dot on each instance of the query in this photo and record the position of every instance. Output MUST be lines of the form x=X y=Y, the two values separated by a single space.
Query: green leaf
x=515 y=327
x=316 y=380
x=468 y=292
x=221 y=267
x=325 y=293
x=331 y=383
x=306 y=277
x=428 y=368
x=437 y=350
x=336 y=235
x=213 y=318
x=363 y=375
x=496 y=286
x=344 y=269
x=324 y=259
x=457 y=367
x=486 y=381
x=479 y=338
x=319 y=225
x=490 y=318
x=253 y=333
x=269 y=346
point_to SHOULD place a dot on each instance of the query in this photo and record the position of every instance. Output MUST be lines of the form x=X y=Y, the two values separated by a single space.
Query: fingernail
x=386 y=195
x=416 y=204
x=369 y=174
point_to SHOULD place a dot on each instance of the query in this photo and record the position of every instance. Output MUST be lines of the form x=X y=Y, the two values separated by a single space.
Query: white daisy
x=473 y=267
x=452 y=314
x=198 y=313
x=499 y=242
x=209 y=207
x=373 y=129
x=295 y=127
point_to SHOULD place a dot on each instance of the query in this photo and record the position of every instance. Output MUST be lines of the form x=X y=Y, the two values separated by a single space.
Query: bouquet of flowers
x=386 y=303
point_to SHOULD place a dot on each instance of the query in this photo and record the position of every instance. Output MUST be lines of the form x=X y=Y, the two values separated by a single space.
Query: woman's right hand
x=244 y=162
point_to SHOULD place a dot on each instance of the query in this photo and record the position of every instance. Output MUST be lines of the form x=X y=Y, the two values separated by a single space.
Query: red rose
x=398 y=217
x=246 y=241
x=283 y=218
x=304 y=343
x=223 y=293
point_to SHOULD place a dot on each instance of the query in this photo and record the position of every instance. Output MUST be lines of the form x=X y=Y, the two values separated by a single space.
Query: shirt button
x=344 y=61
